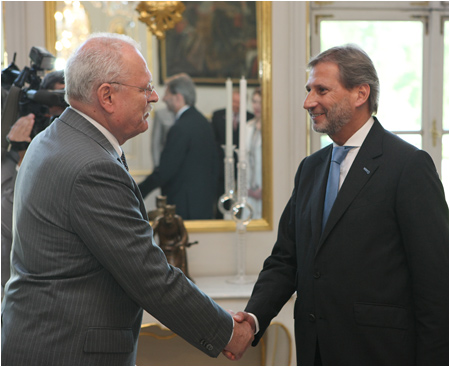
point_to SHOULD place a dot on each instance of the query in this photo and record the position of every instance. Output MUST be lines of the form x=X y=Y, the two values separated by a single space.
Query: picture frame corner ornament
x=160 y=16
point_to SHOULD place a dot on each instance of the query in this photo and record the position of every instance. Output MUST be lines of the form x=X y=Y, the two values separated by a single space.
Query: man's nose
x=154 y=97
x=309 y=101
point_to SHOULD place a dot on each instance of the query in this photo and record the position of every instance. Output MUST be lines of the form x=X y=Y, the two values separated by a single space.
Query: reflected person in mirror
x=188 y=168
x=254 y=154
x=84 y=261
x=372 y=276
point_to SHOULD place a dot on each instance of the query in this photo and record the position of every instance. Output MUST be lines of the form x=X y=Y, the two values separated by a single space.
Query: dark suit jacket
x=84 y=262
x=372 y=289
x=187 y=172
x=218 y=125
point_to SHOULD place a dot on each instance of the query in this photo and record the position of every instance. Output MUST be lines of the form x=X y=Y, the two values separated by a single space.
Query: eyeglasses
x=148 y=91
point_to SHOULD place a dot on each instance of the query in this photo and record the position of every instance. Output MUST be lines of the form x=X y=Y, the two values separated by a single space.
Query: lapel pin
x=366 y=170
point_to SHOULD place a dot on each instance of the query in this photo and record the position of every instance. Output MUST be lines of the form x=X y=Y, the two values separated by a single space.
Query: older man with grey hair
x=84 y=263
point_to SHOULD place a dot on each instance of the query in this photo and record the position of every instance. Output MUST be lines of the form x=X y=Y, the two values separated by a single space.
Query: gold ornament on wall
x=160 y=15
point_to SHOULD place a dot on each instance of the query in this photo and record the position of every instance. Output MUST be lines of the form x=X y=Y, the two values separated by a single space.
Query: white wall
x=24 y=27
x=215 y=255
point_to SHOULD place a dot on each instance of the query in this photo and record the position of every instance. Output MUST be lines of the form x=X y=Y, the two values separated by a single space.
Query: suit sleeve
x=424 y=224
x=277 y=281
x=105 y=213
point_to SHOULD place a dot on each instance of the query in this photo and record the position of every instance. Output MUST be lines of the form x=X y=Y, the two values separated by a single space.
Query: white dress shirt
x=180 y=111
x=356 y=141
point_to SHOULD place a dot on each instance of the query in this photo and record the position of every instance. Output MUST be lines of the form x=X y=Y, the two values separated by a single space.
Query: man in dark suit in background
x=219 y=126
x=84 y=262
x=372 y=276
x=189 y=165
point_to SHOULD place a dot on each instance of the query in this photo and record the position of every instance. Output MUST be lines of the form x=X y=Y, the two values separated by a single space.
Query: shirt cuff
x=256 y=322
x=232 y=331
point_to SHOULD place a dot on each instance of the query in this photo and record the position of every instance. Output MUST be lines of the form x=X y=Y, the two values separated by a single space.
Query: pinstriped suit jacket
x=84 y=263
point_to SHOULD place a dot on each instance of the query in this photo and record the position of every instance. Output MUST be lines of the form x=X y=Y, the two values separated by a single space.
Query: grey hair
x=89 y=67
x=183 y=84
x=355 y=68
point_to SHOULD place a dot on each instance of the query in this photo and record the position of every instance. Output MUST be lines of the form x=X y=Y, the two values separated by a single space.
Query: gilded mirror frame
x=264 y=34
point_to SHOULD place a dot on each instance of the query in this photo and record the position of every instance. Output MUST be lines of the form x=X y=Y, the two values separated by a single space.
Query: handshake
x=243 y=335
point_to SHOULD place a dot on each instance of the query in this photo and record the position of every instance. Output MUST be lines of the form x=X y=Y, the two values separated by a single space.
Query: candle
x=242 y=119
x=229 y=120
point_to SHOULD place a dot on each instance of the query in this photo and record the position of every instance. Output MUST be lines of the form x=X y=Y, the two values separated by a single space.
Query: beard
x=337 y=117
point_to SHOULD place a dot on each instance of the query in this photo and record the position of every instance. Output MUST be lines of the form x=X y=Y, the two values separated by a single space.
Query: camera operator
x=19 y=135
x=54 y=81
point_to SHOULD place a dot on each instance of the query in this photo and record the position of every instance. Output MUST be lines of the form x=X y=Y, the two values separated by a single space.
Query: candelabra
x=242 y=213
x=227 y=200
x=237 y=207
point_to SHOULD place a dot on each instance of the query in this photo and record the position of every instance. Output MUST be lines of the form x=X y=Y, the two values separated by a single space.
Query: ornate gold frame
x=264 y=32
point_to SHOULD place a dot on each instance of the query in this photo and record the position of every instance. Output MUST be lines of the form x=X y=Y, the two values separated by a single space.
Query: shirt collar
x=111 y=138
x=357 y=139
x=180 y=111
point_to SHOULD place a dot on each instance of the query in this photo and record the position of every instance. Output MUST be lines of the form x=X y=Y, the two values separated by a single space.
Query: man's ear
x=105 y=97
x=363 y=94
x=180 y=100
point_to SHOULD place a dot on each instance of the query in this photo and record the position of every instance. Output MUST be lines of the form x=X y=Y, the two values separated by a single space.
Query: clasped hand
x=243 y=335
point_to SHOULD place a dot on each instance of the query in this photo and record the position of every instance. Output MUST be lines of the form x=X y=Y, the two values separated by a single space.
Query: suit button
x=312 y=317
x=209 y=347
x=317 y=275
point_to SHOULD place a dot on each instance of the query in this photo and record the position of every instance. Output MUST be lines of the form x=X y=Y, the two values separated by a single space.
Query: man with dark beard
x=370 y=266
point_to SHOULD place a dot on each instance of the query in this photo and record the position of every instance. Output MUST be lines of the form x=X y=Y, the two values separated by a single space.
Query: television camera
x=25 y=95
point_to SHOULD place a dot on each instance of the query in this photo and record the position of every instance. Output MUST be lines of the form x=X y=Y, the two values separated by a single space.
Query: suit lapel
x=320 y=182
x=361 y=171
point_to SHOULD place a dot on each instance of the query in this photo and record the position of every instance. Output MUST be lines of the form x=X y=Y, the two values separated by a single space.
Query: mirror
x=140 y=146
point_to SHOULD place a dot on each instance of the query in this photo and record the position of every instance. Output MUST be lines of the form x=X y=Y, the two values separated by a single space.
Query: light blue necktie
x=339 y=154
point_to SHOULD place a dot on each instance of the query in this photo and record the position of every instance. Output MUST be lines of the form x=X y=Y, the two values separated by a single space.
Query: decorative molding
x=160 y=15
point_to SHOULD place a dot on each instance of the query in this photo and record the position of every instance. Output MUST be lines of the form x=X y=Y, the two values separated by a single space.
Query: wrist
x=256 y=323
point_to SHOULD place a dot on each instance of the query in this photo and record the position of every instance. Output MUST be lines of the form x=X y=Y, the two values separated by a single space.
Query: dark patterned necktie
x=124 y=160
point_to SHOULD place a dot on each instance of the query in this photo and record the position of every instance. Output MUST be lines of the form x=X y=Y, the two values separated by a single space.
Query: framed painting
x=214 y=41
